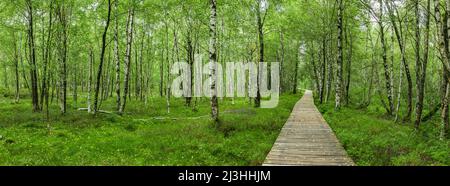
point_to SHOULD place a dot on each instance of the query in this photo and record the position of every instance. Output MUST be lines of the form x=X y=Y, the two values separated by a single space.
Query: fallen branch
x=171 y=118
x=99 y=111
x=246 y=111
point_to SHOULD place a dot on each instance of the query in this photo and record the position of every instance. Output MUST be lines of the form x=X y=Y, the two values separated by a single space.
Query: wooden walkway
x=306 y=139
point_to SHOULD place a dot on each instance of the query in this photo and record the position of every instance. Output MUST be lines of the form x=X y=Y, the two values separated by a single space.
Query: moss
x=78 y=138
x=371 y=138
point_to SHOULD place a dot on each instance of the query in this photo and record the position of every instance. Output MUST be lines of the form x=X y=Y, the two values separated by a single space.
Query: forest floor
x=148 y=135
x=372 y=138
x=145 y=135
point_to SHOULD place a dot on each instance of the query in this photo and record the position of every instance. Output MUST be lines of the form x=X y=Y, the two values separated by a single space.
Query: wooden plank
x=306 y=139
x=306 y=153
x=310 y=161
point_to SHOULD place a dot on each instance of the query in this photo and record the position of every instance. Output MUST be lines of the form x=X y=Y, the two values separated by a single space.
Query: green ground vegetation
x=145 y=135
x=371 y=138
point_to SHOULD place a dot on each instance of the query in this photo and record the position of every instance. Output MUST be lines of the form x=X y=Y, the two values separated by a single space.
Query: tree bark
x=444 y=52
x=421 y=74
x=282 y=59
x=315 y=70
x=442 y=38
x=387 y=75
x=47 y=56
x=399 y=93
x=102 y=57
x=213 y=62
x=141 y=61
x=161 y=71
x=294 y=88
x=117 y=53
x=260 y=23
x=91 y=64
x=62 y=15
x=166 y=48
x=340 y=57
x=16 y=68
x=329 y=58
x=74 y=85
x=32 y=56
x=349 y=66
x=400 y=40
x=444 y=111
x=130 y=23
x=324 y=64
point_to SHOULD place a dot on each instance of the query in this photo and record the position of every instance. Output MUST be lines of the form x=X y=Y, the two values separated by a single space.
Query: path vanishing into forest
x=306 y=139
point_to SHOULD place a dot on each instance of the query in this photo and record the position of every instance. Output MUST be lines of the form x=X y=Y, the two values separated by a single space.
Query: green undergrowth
x=145 y=135
x=371 y=138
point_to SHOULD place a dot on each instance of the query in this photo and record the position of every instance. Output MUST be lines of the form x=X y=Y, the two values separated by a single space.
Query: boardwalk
x=306 y=139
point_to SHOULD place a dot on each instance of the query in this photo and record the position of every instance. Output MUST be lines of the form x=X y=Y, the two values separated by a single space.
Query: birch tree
x=102 y=56
x=444 y=53
x=32 y=57
x=421 y=65
x=340 y=57
x=62 y=14
x=117 y=53
x=387 y=75
x=261 y=12
x=130 y=23
x=213 y=62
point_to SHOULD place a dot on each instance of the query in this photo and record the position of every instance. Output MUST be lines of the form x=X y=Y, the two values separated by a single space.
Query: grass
x=245 y=137
x=371 y=138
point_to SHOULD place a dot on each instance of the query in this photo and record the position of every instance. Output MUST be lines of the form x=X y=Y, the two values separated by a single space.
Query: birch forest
x=90 y=82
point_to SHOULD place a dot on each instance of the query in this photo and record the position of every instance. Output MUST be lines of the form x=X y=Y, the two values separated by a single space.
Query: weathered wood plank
x=307 y=140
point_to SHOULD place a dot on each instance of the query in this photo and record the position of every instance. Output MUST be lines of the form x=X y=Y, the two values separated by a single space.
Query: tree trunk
x=47 y=56
x=315 y=72
x=62 y=18
x=161 y=72
x=136 y=69
x=141 y=61
x=421 y=75
x=340 y=58
x=116 y=53
x=260 y=23
x=324 y=63
x=400 y=39
x=444 y=111
x=190 y=57
x=130 y=23
x=372 y=72
x=91 y=64
x=47 y=59
x=329 y=68
x=168 y=67
x=294 y=88
x=32 y=60
x=380 y=93
x=282 y=59
x=444 y=52
x=16 y=69
x=213 y=63
x=349 y=66
x=24 y=74
x=387 y=74
x=442 y=38
x=107 y=76
x=399 y=93
x=102 y=57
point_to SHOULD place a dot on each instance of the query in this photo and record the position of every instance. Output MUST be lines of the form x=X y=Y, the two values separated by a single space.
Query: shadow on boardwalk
x=306 y=139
